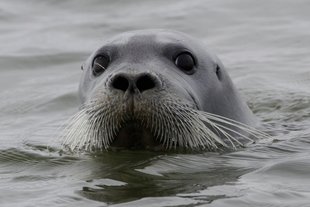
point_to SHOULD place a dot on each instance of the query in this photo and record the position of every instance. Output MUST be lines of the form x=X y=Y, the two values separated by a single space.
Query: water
x=265 y=45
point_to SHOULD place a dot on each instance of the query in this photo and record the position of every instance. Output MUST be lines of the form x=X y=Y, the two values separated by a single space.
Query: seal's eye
x=100 y=64
x=185 y=61
x=218 y=72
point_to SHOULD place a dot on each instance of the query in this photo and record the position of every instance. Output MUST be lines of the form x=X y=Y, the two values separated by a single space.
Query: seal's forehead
x=143 y=43
x=161 y=37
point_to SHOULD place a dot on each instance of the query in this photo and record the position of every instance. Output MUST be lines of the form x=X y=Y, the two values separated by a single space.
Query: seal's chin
x=133 y=136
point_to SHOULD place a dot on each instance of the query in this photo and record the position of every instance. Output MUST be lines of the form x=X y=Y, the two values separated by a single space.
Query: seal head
x=157 y=89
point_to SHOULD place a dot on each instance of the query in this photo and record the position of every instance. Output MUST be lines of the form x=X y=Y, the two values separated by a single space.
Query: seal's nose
x=128 y=82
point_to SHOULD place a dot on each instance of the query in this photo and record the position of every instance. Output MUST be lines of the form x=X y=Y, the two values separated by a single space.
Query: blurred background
x=265 y=46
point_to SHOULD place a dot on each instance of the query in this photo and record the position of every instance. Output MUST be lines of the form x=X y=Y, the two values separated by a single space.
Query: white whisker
x=172 y=123
x=237 y=124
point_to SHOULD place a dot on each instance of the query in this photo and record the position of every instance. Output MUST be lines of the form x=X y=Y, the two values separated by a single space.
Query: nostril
x=120 y=83
x=145 y=82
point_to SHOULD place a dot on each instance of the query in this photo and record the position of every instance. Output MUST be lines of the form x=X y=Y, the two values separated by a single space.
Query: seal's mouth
x=156 y=125
x=135 y=137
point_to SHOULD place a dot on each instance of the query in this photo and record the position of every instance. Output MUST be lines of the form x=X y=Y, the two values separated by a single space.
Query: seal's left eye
x=100 y=64
x=185 y=61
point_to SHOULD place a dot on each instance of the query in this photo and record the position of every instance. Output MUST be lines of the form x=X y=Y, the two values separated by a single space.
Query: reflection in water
x=145 y=174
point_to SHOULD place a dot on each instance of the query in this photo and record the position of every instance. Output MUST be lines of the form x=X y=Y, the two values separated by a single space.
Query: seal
x=159 y=90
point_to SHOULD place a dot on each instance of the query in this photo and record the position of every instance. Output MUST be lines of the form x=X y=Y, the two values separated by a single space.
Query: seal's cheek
x=183 y=89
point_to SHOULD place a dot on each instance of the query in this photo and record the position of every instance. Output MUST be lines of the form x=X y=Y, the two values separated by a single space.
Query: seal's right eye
x=100 y=64
x=186 y=62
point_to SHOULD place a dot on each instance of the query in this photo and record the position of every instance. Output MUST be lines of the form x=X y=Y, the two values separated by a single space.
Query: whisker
x=171 y=121
x=237 y=124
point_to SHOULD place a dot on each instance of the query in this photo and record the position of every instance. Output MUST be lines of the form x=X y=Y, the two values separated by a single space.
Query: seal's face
x=144 y=89
x=153 y=61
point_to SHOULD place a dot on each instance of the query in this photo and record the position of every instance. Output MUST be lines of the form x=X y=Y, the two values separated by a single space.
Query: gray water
x=265 y=46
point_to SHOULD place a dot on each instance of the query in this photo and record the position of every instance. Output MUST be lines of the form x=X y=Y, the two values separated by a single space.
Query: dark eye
x=100 y=64
x=218 y=72
x=185 y=61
